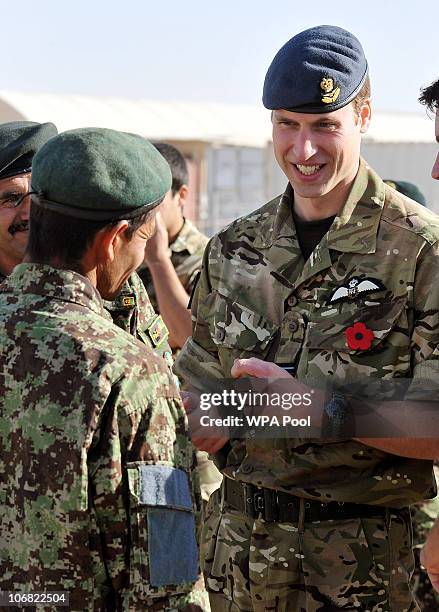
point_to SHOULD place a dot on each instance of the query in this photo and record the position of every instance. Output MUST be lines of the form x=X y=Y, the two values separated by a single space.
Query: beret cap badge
x=330 y=94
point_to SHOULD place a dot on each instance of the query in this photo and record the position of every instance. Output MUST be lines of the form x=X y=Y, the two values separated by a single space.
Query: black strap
x=276 y=506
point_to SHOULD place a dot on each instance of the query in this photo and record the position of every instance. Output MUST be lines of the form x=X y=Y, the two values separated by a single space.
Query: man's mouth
x=308 y=170
x=23 y=226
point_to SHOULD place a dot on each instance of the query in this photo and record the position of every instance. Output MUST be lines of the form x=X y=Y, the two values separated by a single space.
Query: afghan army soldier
x=174 y=257
x=19 y=141
x=96 y=489
x=316 y=524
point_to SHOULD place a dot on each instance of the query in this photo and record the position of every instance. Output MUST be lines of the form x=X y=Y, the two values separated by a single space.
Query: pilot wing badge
x=356 y=287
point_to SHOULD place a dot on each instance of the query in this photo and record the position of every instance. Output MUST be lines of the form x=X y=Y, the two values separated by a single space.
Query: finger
x=248 y=367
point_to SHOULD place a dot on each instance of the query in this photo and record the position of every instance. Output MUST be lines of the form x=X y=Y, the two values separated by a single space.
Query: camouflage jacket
x=258 y=297
x=186 y=253
x=132 y=311
x=95 y=460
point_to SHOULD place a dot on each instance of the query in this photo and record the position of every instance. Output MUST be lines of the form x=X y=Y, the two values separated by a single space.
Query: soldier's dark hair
x=362 y=96
x=53 y=235
x=177 y=163
x=430 y=96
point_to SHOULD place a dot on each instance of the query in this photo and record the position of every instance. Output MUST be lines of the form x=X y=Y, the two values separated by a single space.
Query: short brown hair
x=52 y=234
x=362 y=96
x=430 y=96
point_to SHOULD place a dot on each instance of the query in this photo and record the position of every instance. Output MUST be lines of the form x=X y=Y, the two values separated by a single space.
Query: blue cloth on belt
x=161 y=485
x=172 y=546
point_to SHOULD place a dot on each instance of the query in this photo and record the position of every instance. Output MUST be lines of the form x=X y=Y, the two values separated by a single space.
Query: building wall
x=236 y=184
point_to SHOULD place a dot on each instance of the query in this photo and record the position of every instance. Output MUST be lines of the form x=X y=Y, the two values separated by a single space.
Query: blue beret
x=318 y=71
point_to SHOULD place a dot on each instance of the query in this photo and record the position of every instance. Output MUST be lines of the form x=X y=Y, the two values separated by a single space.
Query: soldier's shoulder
x=251 y=224
x=407 y=215
x=122 y=348
x=190 y=239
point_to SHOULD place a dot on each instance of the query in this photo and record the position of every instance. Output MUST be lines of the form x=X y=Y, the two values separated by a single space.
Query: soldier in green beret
x=97 y=492
x=19 y=141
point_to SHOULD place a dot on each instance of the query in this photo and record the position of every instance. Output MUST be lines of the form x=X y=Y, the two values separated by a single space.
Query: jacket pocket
x=164 y=554
x=235 y=326
x=360 y=330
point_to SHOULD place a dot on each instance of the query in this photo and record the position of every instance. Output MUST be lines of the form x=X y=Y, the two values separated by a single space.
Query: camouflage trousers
x=423 y=517
x=359 y=564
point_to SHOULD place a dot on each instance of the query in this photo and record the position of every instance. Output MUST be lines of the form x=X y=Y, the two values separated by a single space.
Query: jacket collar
x=354 y=230
x=55 y=284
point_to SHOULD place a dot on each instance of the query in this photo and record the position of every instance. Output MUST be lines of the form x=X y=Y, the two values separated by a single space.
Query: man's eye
x=11 y=200
x=326 y=125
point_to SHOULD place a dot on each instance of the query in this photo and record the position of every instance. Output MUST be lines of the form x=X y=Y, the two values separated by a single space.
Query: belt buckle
x=258 y=502
x=254 y=500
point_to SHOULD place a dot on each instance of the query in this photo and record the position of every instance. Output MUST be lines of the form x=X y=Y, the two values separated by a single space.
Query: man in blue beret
x=330 y=282
x=19 y=141
x=98 y=501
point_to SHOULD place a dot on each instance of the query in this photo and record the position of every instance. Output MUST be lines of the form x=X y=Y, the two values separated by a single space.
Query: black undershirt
x=309 y=233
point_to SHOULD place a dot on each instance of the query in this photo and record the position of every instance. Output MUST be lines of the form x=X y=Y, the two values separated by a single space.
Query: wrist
x=158 y=259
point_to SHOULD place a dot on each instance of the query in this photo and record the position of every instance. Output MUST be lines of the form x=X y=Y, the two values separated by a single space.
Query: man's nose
x=435 y=170
x=23 y=209
x=304 y=147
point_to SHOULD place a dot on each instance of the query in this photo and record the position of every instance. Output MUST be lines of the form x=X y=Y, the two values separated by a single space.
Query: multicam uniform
x=257 y=297
x=96 y=494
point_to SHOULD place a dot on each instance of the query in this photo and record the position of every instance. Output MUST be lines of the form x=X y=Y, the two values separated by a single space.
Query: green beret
x=408 y=189
x=96 y=173
x=19 y=141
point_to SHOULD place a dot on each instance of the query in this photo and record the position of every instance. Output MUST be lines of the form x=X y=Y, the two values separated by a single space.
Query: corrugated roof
x=238 y=124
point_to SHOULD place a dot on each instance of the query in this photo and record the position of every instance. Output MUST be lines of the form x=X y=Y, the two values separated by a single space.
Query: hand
x=257 y=368
x=281 y=383
x=210 y=444
x=157 y=246
x=430 y=556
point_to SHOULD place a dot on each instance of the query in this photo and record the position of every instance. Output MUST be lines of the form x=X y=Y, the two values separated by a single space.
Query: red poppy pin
x=359 y=337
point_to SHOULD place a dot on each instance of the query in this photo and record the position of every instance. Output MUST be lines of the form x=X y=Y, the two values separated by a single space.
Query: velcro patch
x=157 y=331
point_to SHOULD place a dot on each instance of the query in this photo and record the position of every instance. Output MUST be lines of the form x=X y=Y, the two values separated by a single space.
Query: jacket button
x=292 y=300
x=293 y=326
x=220 y=333
x=246 y=469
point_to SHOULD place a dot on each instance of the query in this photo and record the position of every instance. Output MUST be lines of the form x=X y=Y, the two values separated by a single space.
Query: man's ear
x=365 y=116
x=183 y=193
x=108 y=239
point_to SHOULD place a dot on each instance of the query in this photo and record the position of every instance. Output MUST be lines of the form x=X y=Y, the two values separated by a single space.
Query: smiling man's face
x=318 y=152
x=14 y=221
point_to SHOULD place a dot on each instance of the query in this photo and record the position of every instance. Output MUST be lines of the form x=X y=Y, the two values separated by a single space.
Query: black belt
x=276 y=506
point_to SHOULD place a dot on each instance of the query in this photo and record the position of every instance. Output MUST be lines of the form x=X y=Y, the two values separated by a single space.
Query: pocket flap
x=333 y=328
x=233 y=325
x=161 y=485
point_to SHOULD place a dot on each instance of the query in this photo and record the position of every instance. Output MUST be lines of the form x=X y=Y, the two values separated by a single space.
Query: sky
x=205 y=51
